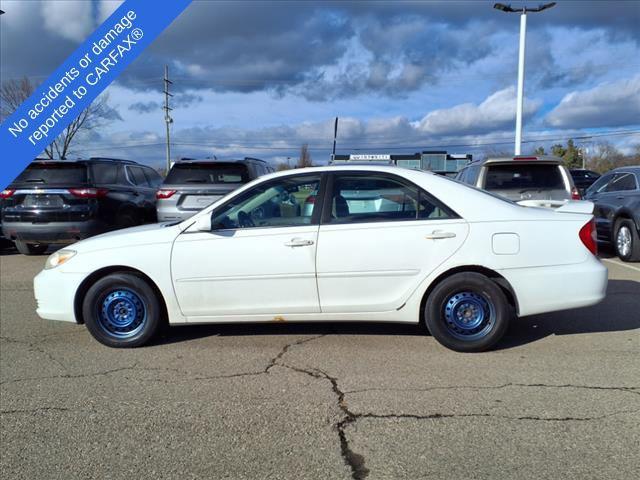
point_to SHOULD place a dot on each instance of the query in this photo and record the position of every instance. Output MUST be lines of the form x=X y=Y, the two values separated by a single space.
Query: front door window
x=283 y=202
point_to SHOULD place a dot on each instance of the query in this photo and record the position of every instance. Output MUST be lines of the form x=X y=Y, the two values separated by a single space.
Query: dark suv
x=64 y=201
x=616 y=195
x=192 y=185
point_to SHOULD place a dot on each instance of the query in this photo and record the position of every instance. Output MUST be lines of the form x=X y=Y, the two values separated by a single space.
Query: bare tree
x=305 y=157
x=14 y=92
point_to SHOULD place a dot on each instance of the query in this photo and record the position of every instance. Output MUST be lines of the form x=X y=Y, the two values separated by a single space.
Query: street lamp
x=523 y=31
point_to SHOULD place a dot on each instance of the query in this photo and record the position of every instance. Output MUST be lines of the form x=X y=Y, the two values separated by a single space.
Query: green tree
x=539 y=151
x=305 y=157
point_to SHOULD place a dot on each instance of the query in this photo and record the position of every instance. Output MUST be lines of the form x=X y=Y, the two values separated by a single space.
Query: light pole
x=523 y=32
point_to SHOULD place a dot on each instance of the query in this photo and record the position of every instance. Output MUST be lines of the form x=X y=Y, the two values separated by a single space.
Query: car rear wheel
x=467 y=312
x=31 y=248
x=121 y=310
x=626 y=241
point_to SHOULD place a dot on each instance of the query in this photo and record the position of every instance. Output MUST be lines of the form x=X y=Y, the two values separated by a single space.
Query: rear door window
x=361 y=198
x=210 y=173
x=621 y=182
x=54 y=173
x=524 y=176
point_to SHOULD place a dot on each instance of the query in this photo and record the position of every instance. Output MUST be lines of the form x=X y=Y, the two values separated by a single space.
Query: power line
x=365 y=146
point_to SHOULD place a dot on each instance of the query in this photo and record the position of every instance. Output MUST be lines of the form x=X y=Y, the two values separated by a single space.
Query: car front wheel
x=626 y=242
x=467 y=312
x=121 y=310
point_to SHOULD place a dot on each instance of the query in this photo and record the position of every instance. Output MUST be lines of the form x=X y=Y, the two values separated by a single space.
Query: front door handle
x=298 y=242
x=439 y=234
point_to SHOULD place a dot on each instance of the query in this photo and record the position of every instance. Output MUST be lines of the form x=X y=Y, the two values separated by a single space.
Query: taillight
x=575 y=194
x=162 y=194
x=6 y=193
x=310 y=199
x=589 y=236
x=88 y=192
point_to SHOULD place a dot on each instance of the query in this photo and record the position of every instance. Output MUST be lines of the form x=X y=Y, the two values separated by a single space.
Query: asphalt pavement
x=559 y=398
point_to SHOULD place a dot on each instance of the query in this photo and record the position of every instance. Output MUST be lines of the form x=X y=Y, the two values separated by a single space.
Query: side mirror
x=203 y=224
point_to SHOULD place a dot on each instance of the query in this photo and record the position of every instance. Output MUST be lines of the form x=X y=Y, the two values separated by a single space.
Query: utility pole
x=523 y=33
x=167 y=118
x=335 y=136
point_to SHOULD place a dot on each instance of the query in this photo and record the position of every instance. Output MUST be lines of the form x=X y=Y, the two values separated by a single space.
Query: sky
x=262 y=78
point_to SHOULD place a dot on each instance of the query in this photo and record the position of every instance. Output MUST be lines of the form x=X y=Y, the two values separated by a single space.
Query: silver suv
x=528 y=180
x=192 y=185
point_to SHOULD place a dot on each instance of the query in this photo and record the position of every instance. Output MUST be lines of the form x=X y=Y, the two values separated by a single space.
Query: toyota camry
x=342 y=243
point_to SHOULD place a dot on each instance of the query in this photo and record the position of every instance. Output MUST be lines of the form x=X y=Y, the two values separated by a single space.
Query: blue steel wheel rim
x=122 y=313
x=469 y=315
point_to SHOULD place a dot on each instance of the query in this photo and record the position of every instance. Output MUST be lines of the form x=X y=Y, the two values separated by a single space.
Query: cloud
x=496 y=112
x=69 y=19
x=180 y=100
x=609 y=104
x=144 y=107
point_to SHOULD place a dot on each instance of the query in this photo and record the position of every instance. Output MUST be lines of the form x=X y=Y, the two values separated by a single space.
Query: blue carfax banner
x=80 y=79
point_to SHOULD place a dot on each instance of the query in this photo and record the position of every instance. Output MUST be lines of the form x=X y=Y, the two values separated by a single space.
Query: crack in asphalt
x=633 y=390
x=35 y=410
x=34 y=346
x=72 y=376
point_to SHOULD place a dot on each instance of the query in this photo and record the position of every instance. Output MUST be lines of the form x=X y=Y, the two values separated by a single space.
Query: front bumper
x=52 y=232
x=55 y=293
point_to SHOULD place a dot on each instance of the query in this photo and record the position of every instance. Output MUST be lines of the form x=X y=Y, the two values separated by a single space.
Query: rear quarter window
x=104 y=173
x=524 y=176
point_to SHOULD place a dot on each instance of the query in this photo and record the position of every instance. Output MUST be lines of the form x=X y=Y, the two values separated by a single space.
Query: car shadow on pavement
x=618 y=312
x=192 y=332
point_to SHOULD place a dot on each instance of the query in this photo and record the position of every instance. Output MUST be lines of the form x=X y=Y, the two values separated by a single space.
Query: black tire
x=127 y=219
x=625 y=232
x=31 y=248
x=105 y=291
x=477 y=294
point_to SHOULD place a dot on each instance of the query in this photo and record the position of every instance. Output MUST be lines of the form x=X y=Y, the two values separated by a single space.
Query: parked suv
x=64 y=201
x=192 y=185
x=583 y=178
x=616 y=195
x=532 y=181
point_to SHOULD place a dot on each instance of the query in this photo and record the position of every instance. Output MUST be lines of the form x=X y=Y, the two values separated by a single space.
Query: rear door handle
x=298 y=242
x=439 y=234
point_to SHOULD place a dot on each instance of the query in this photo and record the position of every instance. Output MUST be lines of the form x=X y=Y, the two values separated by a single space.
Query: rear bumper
x=172 y=214
x=560 y=287
x=52 y=232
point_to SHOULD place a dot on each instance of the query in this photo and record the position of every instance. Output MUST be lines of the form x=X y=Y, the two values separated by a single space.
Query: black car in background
x=583 y=178
x=64 y=201
x=616 y=196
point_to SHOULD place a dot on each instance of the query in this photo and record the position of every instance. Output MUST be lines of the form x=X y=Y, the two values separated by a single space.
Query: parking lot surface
x=560 y=398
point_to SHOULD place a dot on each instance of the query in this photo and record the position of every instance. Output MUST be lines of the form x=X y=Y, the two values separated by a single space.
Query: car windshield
x=522 y=177
x=53 y=173
x=207 y=173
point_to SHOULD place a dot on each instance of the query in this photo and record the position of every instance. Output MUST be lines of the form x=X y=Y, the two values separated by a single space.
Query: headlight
x=58 y=258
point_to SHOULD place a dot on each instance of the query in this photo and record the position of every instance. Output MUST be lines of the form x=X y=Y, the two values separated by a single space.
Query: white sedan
x=342 y=243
